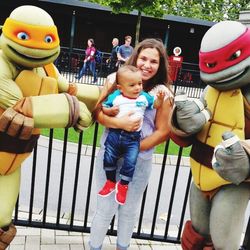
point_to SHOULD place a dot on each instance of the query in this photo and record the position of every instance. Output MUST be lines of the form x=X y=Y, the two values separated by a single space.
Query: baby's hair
x=125 y=69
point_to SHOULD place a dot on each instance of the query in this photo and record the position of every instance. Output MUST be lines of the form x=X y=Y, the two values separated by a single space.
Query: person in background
x=149 y=56
x=125 y=51
x=89 y=60
x=112 y=60
x=127 y=94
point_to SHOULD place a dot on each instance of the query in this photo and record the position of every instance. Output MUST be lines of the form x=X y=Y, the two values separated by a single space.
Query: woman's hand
x=125 y=122
x=128 y=123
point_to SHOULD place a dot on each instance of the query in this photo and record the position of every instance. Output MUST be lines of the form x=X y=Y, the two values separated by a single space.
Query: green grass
x=88 y=137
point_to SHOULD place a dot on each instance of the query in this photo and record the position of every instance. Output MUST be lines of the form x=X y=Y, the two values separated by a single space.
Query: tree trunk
x=138 y=27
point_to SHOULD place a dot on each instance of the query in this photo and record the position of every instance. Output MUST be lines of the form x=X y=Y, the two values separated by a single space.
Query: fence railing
x=58 y=187
x=69 y=64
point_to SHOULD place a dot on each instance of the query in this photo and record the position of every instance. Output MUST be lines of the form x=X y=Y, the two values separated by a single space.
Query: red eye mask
x=222 y=58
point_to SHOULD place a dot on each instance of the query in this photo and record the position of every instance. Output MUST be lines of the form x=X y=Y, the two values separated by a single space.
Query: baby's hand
x=112 y=111
x=159 y=98
x=161 y=95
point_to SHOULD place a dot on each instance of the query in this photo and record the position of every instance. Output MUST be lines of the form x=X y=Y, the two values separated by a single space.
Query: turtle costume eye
x=48 y=39
x=235 y=55
x=31 y=36
x=23 y=36
x=210 y=65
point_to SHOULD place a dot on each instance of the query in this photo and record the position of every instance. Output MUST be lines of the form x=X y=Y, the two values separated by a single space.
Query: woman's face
x=148 y=63
x=89 y=43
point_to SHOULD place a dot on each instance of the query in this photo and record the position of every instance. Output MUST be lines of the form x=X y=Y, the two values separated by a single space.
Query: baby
x=127 y=96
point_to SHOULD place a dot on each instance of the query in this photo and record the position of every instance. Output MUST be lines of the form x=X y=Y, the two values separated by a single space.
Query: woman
x=89 y=60
x=149 y=56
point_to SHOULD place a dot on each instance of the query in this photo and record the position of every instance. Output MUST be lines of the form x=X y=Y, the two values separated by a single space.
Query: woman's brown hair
x=161 y=76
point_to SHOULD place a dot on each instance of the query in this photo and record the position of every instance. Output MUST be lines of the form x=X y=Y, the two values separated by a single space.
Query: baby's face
x=131 y=85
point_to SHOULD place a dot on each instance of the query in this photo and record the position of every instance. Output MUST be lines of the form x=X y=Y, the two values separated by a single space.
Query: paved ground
x=46 y=239
x=28 y=238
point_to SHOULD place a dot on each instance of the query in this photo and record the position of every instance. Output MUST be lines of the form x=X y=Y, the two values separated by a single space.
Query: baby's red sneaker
x=108 y=188
x=121 y=193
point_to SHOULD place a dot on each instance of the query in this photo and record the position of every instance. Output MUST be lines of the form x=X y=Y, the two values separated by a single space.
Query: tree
x=211 y=10
x=155 y=8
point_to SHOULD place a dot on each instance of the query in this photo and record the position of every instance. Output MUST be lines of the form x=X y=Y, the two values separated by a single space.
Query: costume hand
x=16 y=124
x=230 y=160
x=191 y=115
x=85 y=118
x=129 y=122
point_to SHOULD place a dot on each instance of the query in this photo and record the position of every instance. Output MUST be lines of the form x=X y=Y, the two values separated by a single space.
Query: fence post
x=72 y=35
x=246 y=242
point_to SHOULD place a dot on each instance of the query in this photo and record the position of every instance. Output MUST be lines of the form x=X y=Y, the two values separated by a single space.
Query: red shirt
x=90 y=53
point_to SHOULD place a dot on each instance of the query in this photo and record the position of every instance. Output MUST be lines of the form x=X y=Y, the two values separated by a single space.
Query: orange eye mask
x=31 y=36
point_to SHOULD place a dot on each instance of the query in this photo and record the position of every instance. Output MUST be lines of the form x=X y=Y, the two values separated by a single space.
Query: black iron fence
x=58 y=187
x=62 y=191
x=69 y=64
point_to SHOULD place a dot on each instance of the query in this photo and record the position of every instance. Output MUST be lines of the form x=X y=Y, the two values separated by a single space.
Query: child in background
x=125 y=96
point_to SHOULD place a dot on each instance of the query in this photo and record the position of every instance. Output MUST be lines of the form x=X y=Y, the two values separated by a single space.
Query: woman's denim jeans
x=107 y=206
x=91 y=65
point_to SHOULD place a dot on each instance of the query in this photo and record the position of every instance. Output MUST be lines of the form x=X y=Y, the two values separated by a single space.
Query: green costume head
x=224 y=57
x=29 y=37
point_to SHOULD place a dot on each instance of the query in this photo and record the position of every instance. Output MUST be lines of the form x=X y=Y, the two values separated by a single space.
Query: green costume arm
x=88 y=94
x=46 y=111
x=10 y=93
x=85 y=93
x=50 y=111
x=54 y=111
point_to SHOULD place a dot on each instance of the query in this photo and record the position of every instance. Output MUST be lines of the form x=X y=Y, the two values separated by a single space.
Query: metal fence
x=58 y=188
x=69 y=64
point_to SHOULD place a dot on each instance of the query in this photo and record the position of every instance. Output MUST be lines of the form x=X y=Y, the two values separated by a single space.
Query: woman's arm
x=162 y=130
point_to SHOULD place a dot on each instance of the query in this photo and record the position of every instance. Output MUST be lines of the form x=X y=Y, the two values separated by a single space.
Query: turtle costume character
x=218 y=128
x=33 y=95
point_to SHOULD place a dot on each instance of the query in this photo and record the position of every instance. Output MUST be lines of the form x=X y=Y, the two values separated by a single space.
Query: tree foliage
x=210 y=10
x=148 y=7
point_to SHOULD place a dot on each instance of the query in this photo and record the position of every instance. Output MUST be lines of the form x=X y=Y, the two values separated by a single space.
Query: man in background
x=125 y=50
x=112 y=61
